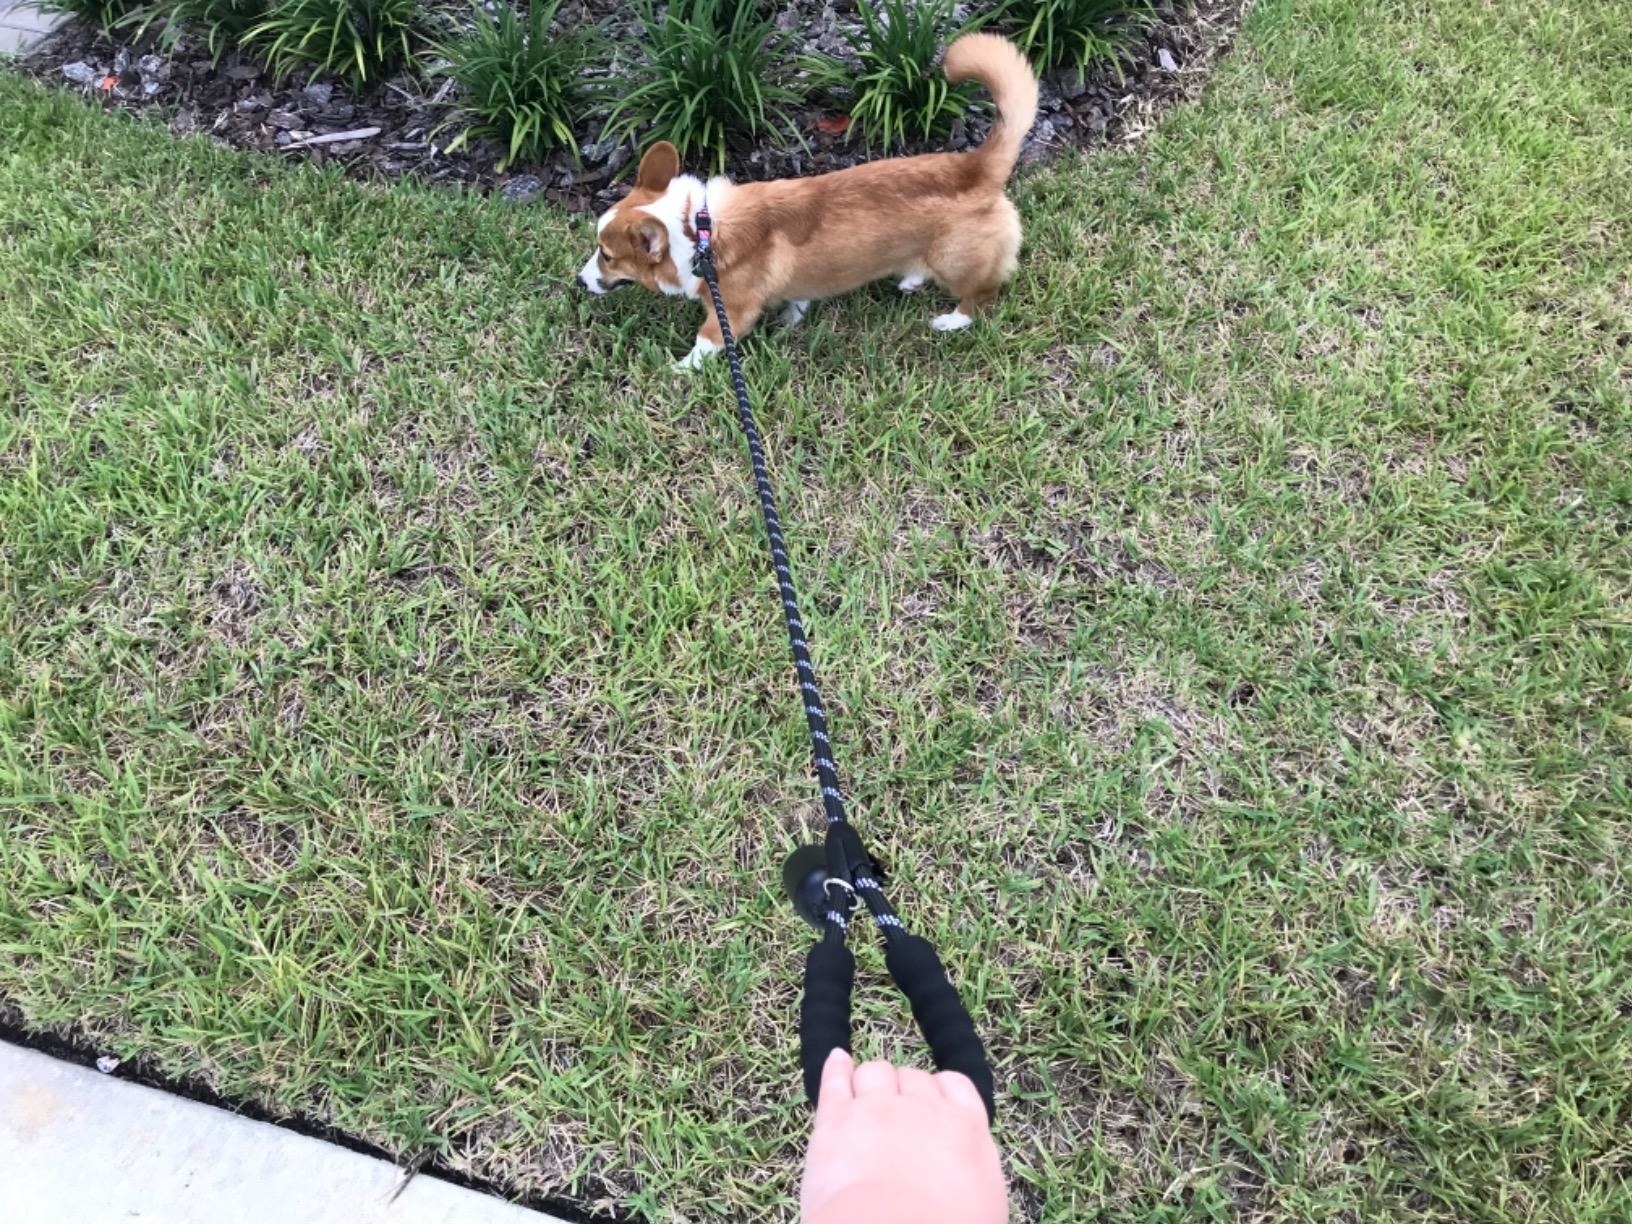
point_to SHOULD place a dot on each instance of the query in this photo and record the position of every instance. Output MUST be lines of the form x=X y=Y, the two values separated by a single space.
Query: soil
x=399 y=128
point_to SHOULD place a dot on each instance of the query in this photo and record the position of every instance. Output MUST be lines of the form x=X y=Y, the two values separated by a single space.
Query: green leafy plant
x=225 y=24
x=714 y=69
x=522 y=84
x=901 y=92
x=361 y=40
x=103 y=14
x=1074 y=32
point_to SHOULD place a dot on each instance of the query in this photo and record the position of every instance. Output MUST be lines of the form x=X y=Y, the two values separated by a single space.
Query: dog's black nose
x=582 y=283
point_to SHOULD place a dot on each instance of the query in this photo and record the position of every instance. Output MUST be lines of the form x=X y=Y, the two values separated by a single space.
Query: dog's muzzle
x=589 y=277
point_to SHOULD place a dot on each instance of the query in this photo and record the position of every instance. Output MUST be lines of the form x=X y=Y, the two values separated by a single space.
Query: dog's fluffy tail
x=998 y=65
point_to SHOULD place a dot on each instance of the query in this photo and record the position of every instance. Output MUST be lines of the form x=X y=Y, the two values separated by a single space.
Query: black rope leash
x=830 y=966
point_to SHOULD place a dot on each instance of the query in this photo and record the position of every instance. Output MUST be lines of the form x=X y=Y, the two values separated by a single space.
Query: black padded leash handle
x=824 y=1012
x=941 y=1015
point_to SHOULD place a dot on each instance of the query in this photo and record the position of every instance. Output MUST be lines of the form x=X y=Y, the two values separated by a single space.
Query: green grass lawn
x=1229 y=643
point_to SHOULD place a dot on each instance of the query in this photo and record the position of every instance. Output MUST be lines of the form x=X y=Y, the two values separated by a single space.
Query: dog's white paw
x=913 y=283
x=952 y=320
x=700 y=352
x=794 y=312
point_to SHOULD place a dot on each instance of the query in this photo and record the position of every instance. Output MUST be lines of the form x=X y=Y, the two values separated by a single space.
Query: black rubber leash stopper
x=804 y=880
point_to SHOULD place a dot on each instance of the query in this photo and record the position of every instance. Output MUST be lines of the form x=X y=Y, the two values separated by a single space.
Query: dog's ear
x=661 y=163
x=652 y=236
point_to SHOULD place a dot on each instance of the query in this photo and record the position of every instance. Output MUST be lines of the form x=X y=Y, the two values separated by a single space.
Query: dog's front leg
x=701 y=350
x=743 y=313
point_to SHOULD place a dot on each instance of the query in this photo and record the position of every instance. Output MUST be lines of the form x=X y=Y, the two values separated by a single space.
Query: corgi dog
x=938 y=217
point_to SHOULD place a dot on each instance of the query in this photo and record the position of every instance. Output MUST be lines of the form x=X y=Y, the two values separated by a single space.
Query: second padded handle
x=940 y=1013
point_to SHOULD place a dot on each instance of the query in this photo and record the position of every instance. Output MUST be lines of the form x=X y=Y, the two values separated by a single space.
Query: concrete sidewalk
x=78 y=1147
x=23 y=25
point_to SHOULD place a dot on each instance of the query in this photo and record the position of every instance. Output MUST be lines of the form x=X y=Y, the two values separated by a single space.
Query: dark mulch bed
x=398 y=129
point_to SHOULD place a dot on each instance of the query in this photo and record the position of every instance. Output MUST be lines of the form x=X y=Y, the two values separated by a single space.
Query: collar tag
x=703 y=257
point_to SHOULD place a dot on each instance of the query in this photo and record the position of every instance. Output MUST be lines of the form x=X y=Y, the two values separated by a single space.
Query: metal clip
x=850 y=902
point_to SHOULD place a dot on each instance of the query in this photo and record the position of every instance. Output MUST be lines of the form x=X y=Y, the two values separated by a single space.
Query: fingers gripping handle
x=941 y=1015
x=824 y=1012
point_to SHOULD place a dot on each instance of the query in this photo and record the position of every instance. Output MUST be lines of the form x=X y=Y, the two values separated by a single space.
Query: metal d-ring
x=847 y=886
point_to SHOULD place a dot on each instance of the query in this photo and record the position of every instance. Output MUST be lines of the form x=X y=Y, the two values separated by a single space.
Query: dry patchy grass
x=1229 y=645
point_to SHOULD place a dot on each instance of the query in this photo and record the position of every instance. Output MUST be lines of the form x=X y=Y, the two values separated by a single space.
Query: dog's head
x=641 y=239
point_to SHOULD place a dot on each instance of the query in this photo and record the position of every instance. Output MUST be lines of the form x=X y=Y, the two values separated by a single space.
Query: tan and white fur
x=939 y=217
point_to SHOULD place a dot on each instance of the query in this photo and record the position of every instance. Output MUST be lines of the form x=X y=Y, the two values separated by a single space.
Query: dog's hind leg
x=976 y=289
x=970 y=303
x=974 y=261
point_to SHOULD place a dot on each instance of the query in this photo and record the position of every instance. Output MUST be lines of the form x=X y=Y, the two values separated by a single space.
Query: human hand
x=894 y=1145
